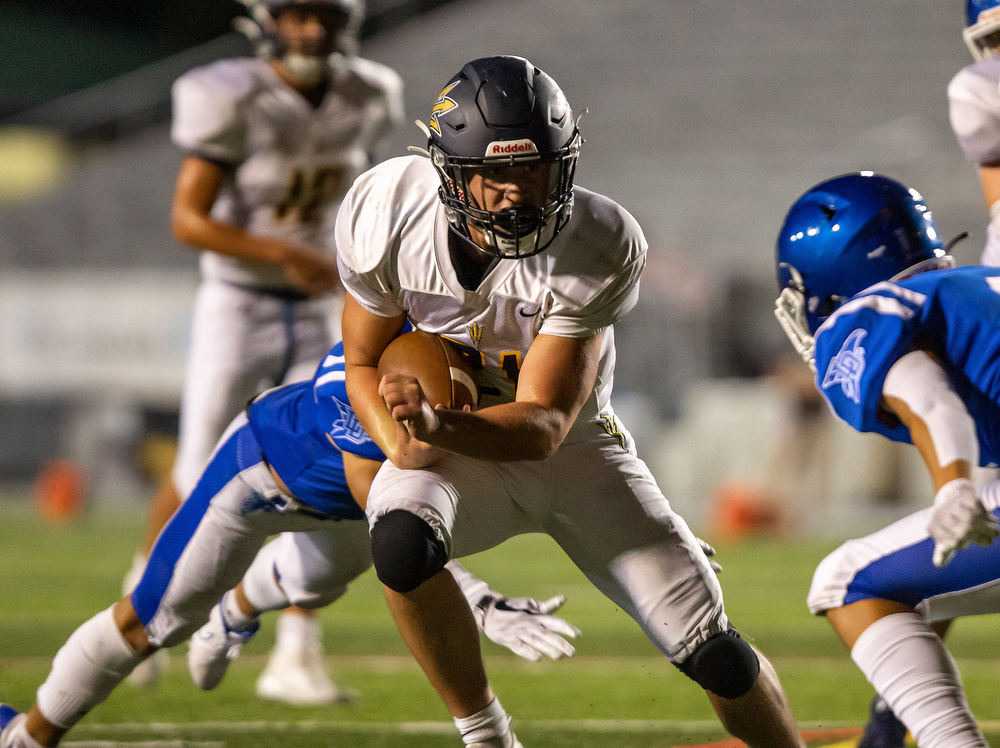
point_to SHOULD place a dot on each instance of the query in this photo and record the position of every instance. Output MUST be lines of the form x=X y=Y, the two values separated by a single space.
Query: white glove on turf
x=957 y=519
x=526 y=626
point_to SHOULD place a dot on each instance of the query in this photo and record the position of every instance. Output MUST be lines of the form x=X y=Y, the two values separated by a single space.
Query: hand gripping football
x=445 y=375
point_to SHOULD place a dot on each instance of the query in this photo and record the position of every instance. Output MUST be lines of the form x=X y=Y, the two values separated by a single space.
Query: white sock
x=259 y=584
x=236 y=619
x=92 y=662
x=910 y=668
x=297 y=632
x=490 y=723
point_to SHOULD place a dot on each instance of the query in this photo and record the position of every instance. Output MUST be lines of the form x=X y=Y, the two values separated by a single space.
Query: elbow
x=548 y=439
x=185 y=227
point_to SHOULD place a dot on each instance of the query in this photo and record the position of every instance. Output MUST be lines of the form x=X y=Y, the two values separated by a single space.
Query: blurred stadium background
x=707 y=119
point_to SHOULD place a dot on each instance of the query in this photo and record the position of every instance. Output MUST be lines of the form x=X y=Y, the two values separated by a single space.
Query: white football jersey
x=974 y=110
x=290 y=162
x=392 y=248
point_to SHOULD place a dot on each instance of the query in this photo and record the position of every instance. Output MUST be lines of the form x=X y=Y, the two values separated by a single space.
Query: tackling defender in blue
x=292 y=464
x=907 y=346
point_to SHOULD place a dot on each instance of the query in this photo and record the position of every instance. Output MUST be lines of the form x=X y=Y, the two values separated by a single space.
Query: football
x=445 y=375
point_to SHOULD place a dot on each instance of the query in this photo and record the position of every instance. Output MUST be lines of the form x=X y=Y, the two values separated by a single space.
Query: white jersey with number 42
x=392 y=247
x=287 y=161
x=974 y=111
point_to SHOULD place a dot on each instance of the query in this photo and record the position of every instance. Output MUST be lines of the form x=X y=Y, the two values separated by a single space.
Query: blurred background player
x=277 y=469
x=905 y=346
x=270 y=145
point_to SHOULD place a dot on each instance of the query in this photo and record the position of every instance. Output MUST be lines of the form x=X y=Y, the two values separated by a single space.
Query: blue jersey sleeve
x=856 y=347
x=334 y=411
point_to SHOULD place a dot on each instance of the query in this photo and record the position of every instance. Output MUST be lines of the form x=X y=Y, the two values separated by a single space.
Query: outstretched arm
x=523 y=625
x=918 y=392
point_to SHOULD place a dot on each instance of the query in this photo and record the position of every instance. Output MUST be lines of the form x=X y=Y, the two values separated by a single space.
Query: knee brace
x=724 y=664
x=406 y=551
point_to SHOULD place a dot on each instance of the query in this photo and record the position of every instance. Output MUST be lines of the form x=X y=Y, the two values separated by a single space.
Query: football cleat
x=212 y=648
x=296 y=676
x=884 y=730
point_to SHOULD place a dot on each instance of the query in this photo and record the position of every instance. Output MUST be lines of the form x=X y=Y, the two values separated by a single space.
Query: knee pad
x=406 y=551
x=724 y=664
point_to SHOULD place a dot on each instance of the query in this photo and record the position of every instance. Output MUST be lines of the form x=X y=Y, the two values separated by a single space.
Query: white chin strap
x=309 y=68
x=790 y=309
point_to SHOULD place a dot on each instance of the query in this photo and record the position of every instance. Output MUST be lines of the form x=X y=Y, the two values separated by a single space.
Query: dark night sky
x=64 y=45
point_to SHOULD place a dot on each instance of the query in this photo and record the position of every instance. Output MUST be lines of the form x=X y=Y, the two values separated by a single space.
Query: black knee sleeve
x=406 y=551
x=725 y=665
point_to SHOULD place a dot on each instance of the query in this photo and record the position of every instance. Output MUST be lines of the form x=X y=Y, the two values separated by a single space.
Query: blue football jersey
x=295 y=426
x=953 y=314
x=334 y=411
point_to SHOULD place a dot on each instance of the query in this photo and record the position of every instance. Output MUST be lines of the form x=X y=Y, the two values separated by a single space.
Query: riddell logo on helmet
x=510 y=148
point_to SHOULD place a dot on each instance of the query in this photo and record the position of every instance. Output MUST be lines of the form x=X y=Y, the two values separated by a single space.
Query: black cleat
x=883 y=730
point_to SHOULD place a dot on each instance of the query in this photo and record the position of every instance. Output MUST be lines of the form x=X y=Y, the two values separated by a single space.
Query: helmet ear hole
x=828 y=305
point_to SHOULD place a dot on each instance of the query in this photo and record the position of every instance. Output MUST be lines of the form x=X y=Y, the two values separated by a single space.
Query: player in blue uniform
x=279 y=468
x=904 y=345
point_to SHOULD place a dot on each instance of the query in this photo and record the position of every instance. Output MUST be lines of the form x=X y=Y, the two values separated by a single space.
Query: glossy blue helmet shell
x=848 y=233
x=974 y=7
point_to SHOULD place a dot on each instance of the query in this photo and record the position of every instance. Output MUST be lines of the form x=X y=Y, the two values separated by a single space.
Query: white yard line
x=433 y=728
x=144 y=744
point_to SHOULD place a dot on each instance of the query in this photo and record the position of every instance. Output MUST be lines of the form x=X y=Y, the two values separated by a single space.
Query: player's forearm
x=201 y=232
x=918 y=391
x=503 y=433
x=362 y=391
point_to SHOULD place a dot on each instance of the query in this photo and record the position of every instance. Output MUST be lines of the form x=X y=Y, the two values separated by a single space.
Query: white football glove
x=526 y=626
x=709 y=552
x=957 y=519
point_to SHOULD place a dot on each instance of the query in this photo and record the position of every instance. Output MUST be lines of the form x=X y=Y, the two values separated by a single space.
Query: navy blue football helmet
x=501 y=111
x=982 y=27
x=844 y=235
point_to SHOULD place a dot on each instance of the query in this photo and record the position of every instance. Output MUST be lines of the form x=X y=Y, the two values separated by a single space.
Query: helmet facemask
x=519 y=231
x=983 y=37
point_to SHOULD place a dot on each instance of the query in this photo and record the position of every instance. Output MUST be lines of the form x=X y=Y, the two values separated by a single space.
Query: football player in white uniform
x=489 y=243
x=974 y=110
x=270 y=145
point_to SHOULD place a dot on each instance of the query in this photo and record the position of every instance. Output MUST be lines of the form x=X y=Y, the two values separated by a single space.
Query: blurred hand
x=310 y=269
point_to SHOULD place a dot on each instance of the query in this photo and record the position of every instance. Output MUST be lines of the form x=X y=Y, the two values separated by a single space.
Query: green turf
x=53 y=578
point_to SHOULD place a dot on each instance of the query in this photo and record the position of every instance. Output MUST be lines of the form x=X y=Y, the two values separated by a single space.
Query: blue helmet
x=500 y=111
x=982 y=27
x=844 y=235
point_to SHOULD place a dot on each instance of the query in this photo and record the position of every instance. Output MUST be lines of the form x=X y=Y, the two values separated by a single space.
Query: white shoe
x=147 y=673
x=296 y=676
x=212 y=647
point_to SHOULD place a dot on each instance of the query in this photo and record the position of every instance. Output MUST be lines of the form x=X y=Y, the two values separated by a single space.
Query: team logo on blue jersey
x=847 y=366
x=348 y=427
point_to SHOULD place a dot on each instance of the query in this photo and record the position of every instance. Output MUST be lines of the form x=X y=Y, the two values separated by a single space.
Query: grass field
x=616 y=692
